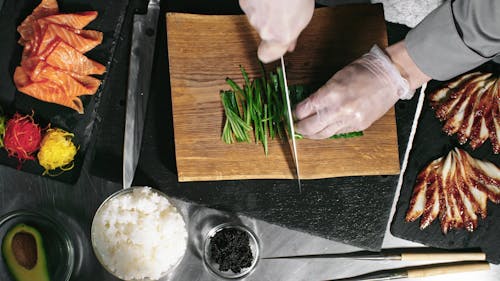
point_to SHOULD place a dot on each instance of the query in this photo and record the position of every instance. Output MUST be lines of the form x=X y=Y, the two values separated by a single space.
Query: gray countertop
x=79 y=202
x=277 y=241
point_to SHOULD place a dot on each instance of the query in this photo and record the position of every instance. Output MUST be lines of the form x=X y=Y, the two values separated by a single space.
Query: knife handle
x=458 y=256
x=446 y=269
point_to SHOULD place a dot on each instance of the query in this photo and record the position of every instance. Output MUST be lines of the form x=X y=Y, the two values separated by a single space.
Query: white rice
x=139 y=235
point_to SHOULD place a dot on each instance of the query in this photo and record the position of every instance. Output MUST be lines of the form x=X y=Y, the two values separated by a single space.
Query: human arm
x=455 y=38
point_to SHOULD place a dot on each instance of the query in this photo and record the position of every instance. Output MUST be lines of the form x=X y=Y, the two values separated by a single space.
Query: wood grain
x=205 y=49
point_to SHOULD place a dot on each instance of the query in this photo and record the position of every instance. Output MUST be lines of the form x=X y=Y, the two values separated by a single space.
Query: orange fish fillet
x=53 y=65
x=45 y=8
x=68 y=58
x=47 y=91
x=73 y=84
x=82 y=40
x=70 y=86
x=87 y=81
x=75 y=20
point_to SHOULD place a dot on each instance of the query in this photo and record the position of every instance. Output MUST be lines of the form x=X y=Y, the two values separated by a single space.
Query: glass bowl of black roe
x=231 y=251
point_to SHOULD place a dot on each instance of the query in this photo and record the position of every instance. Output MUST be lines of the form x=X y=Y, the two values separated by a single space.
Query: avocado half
x=24 y=254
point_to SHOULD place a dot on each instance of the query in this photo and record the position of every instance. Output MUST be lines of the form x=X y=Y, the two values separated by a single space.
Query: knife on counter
x=291 y=128
x=418 y=272
x=139 y=80
x=463 y=261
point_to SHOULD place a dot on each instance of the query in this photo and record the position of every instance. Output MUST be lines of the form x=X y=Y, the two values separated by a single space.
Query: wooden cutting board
x=205 y=49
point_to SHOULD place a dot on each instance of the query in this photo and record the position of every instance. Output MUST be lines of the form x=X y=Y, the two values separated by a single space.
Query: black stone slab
x=352 y=210
x=109 y=21
x=431 y=143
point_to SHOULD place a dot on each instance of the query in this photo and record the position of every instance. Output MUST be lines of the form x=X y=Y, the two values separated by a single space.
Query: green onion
x=260 y=106
x=337 y=136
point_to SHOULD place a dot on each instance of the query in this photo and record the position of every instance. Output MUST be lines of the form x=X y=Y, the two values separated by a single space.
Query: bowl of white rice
x=137 y=234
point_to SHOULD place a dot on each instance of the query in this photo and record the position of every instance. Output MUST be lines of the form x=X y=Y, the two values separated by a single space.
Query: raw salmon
x=39 y=91
x=67 y=83
x=33 y=66
x=45 y=45
x=82 y=40
x=68 y=58
x=53 y=65
x=87 y=81
x=75 y=20
x=45 y=8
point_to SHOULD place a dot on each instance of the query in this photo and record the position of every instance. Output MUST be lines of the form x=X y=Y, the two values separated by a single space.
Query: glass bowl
x=59 y=251
x=95 y=233
x=214 y=266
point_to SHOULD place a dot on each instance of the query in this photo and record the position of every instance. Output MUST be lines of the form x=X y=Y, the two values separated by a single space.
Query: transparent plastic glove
x=353 y=98
x=279 y=23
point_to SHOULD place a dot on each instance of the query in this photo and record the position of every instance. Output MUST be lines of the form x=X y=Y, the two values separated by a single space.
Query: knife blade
x=290 y=125
x=429 y=255
x=353 y=255
x=139 y=80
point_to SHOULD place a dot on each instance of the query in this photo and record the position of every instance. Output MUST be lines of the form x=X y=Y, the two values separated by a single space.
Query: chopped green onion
x=260 y=106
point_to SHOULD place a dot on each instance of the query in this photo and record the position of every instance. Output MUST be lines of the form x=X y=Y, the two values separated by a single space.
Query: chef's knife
x=290 y=125
x=418 y=272
x=405 y=256
x=139 y=80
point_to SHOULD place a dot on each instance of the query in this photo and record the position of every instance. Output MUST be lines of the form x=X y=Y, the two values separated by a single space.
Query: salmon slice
x=74 y=20
x=87 y=81
x=68 y=84
x=33 y=67
x=68 y=58
x=82 y=40
x=21 y=78
x=45 y=8
x=46 y=45
x=71 y=84
x=47 y=91
x=31 y=46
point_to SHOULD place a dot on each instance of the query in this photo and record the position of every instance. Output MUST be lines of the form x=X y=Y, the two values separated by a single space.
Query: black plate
x=109 y=21
x=431 y=143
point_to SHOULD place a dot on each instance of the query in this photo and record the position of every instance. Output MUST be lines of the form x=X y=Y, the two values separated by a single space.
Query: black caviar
x=230 y=248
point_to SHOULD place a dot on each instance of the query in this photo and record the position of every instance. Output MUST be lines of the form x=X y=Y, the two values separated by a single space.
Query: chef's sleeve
x=456 y=37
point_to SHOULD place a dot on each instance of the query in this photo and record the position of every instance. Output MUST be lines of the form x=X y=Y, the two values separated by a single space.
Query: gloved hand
x=279 y=23
x=354 y=98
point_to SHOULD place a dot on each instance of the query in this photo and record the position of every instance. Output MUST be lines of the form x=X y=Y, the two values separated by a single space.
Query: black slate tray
x=109 y=21
x=352 y=210
x=431 y=143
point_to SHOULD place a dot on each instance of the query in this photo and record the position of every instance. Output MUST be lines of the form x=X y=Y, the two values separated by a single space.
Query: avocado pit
x=24 y=249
